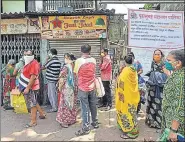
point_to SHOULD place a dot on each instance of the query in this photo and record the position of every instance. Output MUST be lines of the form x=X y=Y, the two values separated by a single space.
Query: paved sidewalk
x=49 y=130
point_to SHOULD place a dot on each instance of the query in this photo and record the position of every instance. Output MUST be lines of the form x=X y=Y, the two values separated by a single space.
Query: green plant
x=148 y=6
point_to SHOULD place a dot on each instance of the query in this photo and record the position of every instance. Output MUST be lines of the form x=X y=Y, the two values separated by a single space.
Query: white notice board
x=145 y=57
x=155 y=29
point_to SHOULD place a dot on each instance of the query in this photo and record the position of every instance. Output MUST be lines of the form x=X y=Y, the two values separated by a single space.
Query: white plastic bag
x=100 y=91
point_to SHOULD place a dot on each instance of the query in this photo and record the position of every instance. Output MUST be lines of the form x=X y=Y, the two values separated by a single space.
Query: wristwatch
x=173 y=130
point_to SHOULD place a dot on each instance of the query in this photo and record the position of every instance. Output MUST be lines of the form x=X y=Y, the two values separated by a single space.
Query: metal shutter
x=74 y=46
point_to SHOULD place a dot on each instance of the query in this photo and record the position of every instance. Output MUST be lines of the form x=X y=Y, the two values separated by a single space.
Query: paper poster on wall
x=14 y=26
x=33 y=25
x=155 y=29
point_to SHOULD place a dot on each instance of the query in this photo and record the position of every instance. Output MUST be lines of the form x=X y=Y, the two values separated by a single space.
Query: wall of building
x=13 y=6
x=172 y=7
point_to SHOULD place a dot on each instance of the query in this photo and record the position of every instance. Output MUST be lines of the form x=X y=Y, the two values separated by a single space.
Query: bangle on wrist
x=173 y=130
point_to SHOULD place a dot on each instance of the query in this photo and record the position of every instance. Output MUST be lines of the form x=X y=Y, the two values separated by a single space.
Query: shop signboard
x=14 y=26
x=73 y=27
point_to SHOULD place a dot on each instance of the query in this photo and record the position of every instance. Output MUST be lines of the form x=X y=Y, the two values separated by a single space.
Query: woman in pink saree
x=67 y=107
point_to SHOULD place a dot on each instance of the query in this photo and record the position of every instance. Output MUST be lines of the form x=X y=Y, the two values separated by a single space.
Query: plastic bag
x=100 y=91
x=19 y=104
x=12 y=93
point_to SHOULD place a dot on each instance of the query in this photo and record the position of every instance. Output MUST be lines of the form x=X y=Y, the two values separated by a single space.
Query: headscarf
x=11 y=62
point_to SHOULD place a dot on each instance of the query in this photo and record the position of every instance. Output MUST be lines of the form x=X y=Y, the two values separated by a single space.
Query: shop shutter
x=74 y=46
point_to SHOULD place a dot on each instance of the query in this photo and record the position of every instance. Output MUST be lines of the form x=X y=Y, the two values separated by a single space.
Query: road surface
x=12 y=128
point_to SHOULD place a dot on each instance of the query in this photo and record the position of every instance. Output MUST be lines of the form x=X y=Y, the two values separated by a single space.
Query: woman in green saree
x=9 y=84
x=173 y=106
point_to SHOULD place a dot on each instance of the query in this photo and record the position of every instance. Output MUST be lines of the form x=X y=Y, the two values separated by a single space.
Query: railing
x=49 y=5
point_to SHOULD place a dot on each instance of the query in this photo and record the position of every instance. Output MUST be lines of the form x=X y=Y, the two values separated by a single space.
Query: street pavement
x=12 y=128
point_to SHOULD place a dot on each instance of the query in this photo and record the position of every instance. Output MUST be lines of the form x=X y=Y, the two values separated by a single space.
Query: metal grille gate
x=74 y=46
x=12 y=46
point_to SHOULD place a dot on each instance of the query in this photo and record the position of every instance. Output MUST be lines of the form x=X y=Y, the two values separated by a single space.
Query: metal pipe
x=96 y=4
x=139 y=2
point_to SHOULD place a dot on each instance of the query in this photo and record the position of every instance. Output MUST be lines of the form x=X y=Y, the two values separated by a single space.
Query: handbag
x=100 y=91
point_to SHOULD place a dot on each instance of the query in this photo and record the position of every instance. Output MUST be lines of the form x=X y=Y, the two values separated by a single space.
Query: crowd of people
x=75 y=80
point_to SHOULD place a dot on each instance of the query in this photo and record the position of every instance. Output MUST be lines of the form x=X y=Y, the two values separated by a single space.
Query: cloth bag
x=18 y=102
x=100 y=91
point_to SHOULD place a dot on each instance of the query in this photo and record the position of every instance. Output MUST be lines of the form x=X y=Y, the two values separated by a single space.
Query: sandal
x=64 y=125
x=42 y=117
x=52 y=110
x=82 y=132
x=125 y=136
x=30 y=125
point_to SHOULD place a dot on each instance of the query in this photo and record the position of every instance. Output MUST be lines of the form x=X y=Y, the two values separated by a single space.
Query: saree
x=127 y=99
x=155 y=84
x=9 y=84
x=67 y=108
x=173 y=101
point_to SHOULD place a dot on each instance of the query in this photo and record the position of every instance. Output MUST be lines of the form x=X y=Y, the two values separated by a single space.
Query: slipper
x=52 y=110
x=64 y=125
x=42 y=117
x=125 y=136
x=82 y=132
x=30 y=125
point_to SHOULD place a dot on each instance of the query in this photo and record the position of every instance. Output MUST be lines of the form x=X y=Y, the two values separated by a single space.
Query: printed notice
x=155 y=29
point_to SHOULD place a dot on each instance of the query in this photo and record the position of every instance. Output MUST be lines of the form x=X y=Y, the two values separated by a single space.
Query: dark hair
x=131 y=54
x=106 y=50
x=162 y=54
x=128 y=59
x=53 y=51
x=85 y=48
x=178 y=55
x=70 y=56
x=28 y=49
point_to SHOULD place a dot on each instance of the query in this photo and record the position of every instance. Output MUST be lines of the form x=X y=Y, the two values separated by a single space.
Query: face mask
x=66 y=61
x=169 y=66
x=157 y=58
x=50 y=55
x=28 y=59
x=102 y=54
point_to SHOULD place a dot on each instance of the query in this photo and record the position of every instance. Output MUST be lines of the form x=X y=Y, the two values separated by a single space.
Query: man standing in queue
x=52 y=67
x=106 y=75
x=29 y=85
x=85 y=70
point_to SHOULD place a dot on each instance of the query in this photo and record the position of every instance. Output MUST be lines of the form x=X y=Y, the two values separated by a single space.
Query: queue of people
x=76 y=80
x=165 y=107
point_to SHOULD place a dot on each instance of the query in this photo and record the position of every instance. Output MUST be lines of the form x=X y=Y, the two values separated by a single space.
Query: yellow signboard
x=73 y=22
x=73 y=27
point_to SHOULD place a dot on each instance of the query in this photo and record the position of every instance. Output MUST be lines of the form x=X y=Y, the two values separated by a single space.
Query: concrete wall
x=13 y=6
x=172 y=7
